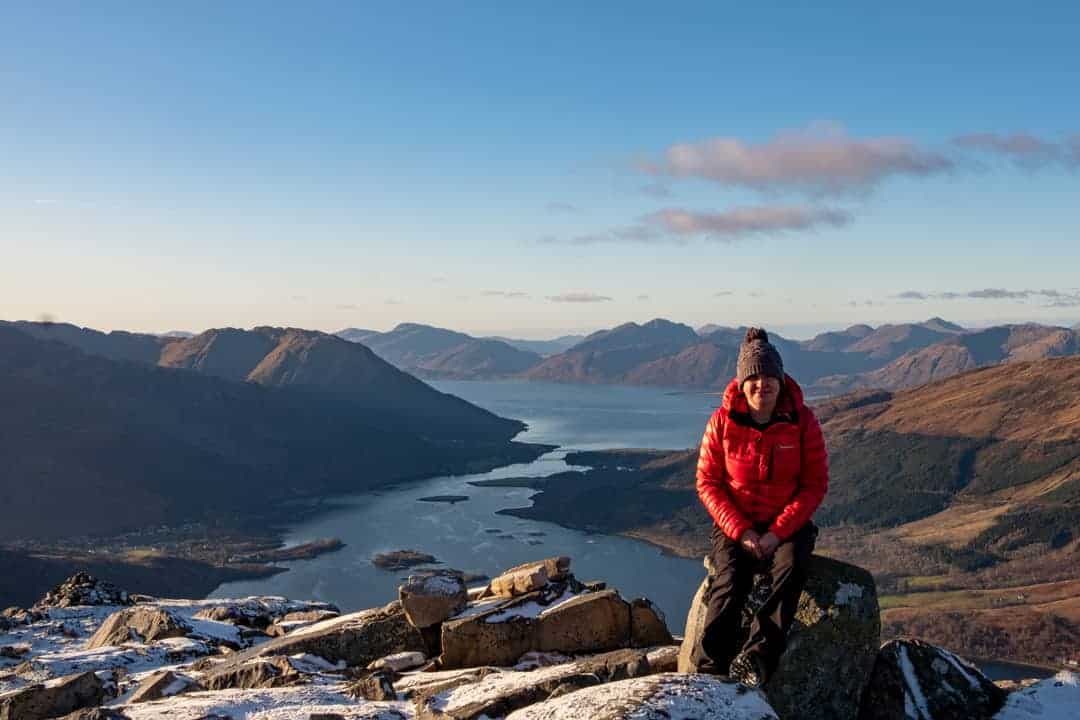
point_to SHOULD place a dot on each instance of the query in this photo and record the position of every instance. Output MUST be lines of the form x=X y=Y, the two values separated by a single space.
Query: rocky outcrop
x=83 y=589
x=52 y=699
x=430 y=598
x=564 y=650
x=912 y=678
x=139 y=624
x=658 y=697
x=831 y=648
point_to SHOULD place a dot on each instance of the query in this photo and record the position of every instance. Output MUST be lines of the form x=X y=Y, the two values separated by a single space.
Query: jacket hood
x=791 y=397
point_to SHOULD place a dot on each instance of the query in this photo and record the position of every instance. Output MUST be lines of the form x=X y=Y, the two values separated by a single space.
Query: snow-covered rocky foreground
x=533 y=644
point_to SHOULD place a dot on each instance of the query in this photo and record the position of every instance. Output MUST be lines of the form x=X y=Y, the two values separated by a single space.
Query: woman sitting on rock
x=761 y=474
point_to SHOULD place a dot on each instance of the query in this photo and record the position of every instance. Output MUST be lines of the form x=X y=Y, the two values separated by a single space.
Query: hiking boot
x=748 y=669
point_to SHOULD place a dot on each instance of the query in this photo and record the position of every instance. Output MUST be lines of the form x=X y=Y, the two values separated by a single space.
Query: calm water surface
x=471 y=536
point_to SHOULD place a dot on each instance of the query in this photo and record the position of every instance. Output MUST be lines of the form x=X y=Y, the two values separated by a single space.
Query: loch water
x=471 y=536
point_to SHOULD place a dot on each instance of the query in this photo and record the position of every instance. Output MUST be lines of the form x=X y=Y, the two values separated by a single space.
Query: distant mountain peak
x=942 y=325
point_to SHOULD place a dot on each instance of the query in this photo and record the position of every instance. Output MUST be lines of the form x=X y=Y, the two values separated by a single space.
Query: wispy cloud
x=562 y=207
x=821 y=160
x=505 y=293
x=347 y=306
x=641 y=297
x=1052 y=298
x=723 y=293
x=579 y=297
x=743 y=221
x=679 y=224
x=1024 y=149
x=299 y=298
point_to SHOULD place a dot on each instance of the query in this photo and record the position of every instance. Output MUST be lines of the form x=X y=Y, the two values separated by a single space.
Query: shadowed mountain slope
x=315 y=361
x=609 y=356
x=438 y=353
x=91 y=445
x=115 y=345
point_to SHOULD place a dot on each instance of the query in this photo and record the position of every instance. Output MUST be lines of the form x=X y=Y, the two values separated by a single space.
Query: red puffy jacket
x=778 y=475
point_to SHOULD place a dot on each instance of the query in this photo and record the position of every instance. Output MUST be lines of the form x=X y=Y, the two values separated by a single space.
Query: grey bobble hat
x=757 y=356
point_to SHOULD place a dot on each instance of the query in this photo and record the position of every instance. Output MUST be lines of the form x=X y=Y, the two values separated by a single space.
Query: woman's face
x=761 y=392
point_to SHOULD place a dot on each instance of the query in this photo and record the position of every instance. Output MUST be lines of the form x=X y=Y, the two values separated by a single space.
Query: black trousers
x=734 y=569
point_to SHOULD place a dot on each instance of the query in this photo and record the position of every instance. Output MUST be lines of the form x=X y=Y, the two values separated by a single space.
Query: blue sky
x=538 y=170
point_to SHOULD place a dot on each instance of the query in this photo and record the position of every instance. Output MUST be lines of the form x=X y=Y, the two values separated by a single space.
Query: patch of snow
x=962 y=667
x=912 y=682
x=478 y=606
x=1056 y=698
x=531 y=609
x=848 y=592
x=445 y=585
x=215 y=630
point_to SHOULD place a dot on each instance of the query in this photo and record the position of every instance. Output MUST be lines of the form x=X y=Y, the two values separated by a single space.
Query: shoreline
x=192 y=559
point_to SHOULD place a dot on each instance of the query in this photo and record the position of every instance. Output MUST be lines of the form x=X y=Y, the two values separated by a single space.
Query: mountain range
x=668 y=354
x=224 y=424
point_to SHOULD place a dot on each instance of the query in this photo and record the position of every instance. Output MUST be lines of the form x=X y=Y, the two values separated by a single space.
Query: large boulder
x=552 y=619
x=657 y=697
x=831 y=647
x=497 y=693
x=355 y=638
x=588 y=623
x=915 y=678
x=141 y=623
x=429 y=598
x=83 y=589
x=54 y=698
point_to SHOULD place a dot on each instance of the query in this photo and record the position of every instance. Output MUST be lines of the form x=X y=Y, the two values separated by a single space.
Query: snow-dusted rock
x=914 y=679
x=431 y=597
x=163 y=683
x=54 y=698
x=670 y=696
x=399 y=662
x=499 y=693
x=259 y=672
x=142 y=623
x=355 y=639
x=310 y=616
x=831 y=647
x=528 y=577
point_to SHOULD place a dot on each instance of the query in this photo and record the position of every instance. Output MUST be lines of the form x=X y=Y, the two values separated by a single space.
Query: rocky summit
x=534 y=643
